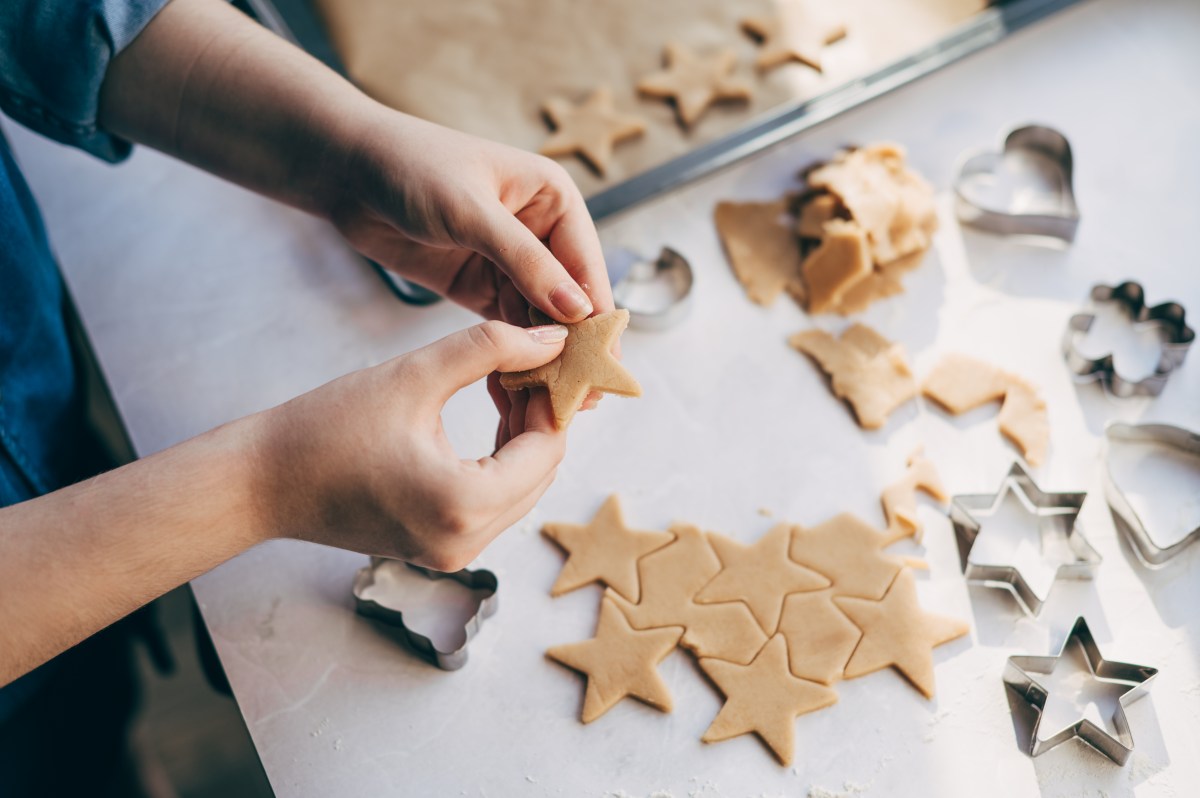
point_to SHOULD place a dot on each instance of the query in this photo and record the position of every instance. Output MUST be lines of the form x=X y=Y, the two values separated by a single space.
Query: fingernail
x=570 y=301
x=548 y=334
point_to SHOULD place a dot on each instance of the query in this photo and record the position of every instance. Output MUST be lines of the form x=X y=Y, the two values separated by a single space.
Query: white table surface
x=205 y=303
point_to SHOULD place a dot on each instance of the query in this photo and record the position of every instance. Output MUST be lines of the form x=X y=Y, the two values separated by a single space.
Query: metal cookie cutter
x=1126 y=518
x=1018 y=679
x=657 y=293
x=1177 y=337
x=1047 y=210
x=448 y=660
x=1055 y=514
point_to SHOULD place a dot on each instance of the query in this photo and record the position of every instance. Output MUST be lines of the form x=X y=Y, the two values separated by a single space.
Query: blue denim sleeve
x=53 y=56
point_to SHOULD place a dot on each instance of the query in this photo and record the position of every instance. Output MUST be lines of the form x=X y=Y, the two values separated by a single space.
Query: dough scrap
x=586 y=364
x=820 y=638
x=764 y=698
x=762 y=251
x=841 y=261
x=590 y=129
x=694 y=82
x=960 y=383
x=900 y=500
x=897 y=632
x=867 y=370
x=849 y=552
x=794 y=33
x=604 y=550
x=760 y=574
x=619 y=661
x=815 y=210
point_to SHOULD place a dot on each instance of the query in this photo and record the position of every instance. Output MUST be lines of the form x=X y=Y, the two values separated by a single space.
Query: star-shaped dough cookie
x=795 y=33
x=619 y=661
x=764 y=698
x=670 y=577
x=695 y=83
x=603 y=550
x=585 y=364
x=759 y=574
x=848 y=551
x=590 y=129
x=820 y=638
x=897 y=632
x=900 y=498
x=761 y=249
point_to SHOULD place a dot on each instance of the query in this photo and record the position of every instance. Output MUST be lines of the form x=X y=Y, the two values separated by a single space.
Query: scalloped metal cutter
x=657 y=293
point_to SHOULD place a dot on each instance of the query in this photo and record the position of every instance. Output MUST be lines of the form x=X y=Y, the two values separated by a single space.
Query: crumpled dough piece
x=881 y=283
x=604 y=550
x=695 y=82
x=897 y=632
x=763 y=252
x=815 y=210
x=960 y=383
x=585 y=364
x=867 y=370
x=820 y=638
x=848 y=551
x=842 y=260
x=619 y=661
x=794 y=33
x=900 y=500
x=590 y=129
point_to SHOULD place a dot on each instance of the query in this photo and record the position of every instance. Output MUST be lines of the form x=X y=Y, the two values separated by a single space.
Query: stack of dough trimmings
x=774 y=624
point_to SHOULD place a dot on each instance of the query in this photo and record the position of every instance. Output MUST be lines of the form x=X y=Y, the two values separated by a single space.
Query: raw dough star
x=848 y=551
x=585 y=364
x=900 y=499
x=695 y=83
x=897 y=632
x=764 y=698
x=619 y=661
x=603 y=550
x=762 y=251
x=759 y=574
x=820 y=638
x=867 y=370
x=590 y=129
x=795 y=33
x=670 y=577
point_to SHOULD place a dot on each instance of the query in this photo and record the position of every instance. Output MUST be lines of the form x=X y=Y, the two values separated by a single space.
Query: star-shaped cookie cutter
x=1055 y=514
x=1177 y=338
x=1018 y=678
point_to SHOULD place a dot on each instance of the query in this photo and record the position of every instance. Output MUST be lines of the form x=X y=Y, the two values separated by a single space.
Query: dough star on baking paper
x=759 y=574
x=897 y=632
x=619 y=661
x=604 y=550
x=794 y=33
x=586 y=364
x=590 y=129
x=764 y=698
x=695 y=83
x=848 y=551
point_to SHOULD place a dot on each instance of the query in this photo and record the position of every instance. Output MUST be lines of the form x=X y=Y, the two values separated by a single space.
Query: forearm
x=85 y=556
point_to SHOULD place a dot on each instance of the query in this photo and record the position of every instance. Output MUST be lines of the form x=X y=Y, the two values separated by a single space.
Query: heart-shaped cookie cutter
x=1061 y=221
x=1126 y=518
x=1176 y=340
x=657 y=293
x=422 y=645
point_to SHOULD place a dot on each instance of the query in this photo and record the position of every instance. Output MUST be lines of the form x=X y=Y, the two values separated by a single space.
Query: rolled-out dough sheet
x=486 y=66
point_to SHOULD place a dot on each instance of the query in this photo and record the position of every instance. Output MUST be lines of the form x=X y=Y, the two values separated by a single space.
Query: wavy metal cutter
x=1055 y=514
x=422 y=645
x=1126 y=518
x=1018 y=678
x=1177 y=338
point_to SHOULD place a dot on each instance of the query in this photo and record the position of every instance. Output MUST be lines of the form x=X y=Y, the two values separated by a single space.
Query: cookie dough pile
x=774 y=624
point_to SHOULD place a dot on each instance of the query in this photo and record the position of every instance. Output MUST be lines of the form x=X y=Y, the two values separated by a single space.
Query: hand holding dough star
x=795 y=33
x=695 y=83
x=764 y=698
x=619 y=661
x=590 y=129
x=586 y=364
x=603 y=550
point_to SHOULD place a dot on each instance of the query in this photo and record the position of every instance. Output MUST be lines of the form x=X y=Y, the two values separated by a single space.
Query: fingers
x=574 y=242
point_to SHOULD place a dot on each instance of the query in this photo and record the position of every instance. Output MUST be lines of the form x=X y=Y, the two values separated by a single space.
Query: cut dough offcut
x=841 y=261
x=762 y=249
x=1024 y=420
x=900 y=500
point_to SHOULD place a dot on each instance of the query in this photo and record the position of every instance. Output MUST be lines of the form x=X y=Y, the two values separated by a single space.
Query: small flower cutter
x=1125 y=517
x=1018 y=679
x=422 y=645
x=1038 y=211
x=657 y=293
x=1055 y=514
x=1177 y=338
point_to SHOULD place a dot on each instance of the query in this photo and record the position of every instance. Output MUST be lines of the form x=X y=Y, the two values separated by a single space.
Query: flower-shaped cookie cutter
x=1177 y=338
x=1019 y=678
x=1147 y=549
x=1055 y=514
x=1041 y=211
x=422 y=645
x=657 y=293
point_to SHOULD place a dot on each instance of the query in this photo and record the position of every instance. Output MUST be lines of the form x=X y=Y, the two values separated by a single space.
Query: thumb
x=439 y=370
